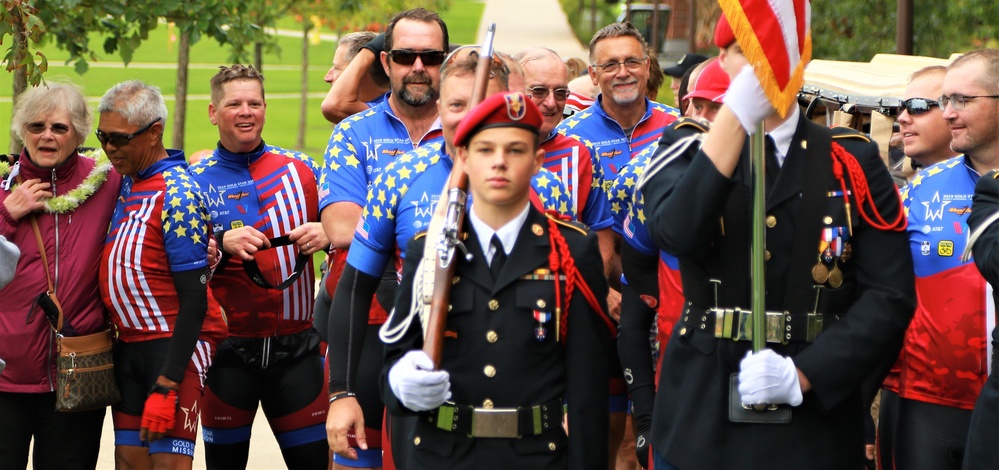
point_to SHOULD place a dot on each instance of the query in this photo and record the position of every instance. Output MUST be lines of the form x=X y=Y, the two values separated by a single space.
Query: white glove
x=415 y=383
x=746 y=99
x=766 y=377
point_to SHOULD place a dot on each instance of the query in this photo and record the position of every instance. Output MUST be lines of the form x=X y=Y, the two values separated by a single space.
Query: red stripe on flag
x=764 y=21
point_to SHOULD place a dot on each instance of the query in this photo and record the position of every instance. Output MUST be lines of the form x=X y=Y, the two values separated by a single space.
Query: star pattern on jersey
x=920 y=177
x=183 y=214
x=395 y=180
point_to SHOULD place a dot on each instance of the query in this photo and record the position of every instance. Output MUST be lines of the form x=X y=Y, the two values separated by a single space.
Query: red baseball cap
x=711 y=84
x=724 y=36
x=499 y=110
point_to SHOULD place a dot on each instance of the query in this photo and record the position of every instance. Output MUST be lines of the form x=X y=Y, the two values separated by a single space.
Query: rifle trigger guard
x=450 y=237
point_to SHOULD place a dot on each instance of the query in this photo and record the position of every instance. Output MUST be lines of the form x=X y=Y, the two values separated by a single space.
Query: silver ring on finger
x=308 y=245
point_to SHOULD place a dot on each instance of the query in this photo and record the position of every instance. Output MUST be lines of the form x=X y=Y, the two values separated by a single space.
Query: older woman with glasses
x=70 y=196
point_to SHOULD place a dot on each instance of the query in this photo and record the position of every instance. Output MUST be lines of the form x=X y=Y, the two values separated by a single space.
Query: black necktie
x=772 y=165
x=498 y=258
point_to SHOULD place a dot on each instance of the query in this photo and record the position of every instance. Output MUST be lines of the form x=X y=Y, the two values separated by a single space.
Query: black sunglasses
x=39 y=127
x=120 y=140
x=408 y=57
x=917 y=106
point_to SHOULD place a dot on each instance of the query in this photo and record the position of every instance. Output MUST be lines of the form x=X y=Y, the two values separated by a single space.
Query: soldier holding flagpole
x=836 y=292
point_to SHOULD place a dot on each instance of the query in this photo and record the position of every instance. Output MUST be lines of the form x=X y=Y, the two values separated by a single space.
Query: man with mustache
x=621 y=123
x=416 y=42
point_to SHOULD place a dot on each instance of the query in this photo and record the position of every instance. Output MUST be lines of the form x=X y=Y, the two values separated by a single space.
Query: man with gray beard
x=416 y=42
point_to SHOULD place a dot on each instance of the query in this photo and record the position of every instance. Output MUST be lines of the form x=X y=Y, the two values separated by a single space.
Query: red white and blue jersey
x=401 y=203
x=628 y=207
x=604 y=135
x=159 y=227
x=579 y=168
x=360 y=147
x=274 y=191
x=945 y=357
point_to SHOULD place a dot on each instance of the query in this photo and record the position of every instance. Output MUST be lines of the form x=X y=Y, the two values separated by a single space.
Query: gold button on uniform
x=766 y=255
x=487 y=404
x=491 y=336
x=551 y=446
x=493 y=305
x=416 y=441
x=771 y=221
x=490 y=371
x=683 y=330
x=455 y=280
x=827 y=220
x=541 y=303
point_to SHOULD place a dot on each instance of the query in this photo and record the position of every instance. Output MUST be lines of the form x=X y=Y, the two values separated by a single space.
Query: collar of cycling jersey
x=599 y=108
x=248 y=157
x=174 y=157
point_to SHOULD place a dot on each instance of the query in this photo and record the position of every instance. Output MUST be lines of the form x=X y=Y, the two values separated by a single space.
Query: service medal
x=820 y=273
x=835 y=277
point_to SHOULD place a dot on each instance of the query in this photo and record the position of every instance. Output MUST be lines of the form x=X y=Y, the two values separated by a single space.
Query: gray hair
x=136 y=101
x=42 y=100
x=615 y=30
x=354 y=42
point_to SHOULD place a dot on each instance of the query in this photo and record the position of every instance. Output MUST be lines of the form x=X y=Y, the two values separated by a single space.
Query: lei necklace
x=73 y=199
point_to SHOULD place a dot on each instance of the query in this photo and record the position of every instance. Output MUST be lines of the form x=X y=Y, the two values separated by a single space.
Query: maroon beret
x=499 y=110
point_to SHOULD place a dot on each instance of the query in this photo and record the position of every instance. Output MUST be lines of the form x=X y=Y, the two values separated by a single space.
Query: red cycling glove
x=159 y=412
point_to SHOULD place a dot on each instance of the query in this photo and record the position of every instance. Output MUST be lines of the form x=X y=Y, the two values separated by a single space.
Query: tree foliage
x=858 y=29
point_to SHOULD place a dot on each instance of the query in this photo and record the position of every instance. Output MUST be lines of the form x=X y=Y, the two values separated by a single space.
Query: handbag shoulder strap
x=45 y=261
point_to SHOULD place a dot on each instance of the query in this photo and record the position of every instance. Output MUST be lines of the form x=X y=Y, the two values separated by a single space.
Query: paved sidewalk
x=524 y=23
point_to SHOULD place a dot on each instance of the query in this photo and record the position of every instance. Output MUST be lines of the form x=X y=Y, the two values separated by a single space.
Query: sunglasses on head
x=917 y=106
x=39 y=127
x=408 y=57
x=118 y=139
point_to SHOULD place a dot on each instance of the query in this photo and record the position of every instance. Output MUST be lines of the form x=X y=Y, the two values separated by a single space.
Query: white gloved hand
x=415 y=383
x=766 y=377
x=746 y=99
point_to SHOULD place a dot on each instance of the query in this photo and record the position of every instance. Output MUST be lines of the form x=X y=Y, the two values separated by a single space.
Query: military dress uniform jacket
x=981 y=451
x=702 y=217
x=495 y=358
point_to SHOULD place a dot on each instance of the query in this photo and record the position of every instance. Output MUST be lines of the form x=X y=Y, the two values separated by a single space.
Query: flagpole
x=758 y=255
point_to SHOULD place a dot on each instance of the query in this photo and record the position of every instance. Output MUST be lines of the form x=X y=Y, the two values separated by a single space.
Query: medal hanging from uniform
x=540 y=329
x=834 y=247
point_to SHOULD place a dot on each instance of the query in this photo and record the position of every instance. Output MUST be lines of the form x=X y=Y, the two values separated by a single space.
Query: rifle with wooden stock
x=444 y=234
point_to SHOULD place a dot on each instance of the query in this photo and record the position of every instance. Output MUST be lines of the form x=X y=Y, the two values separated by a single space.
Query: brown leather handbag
x=85 y=364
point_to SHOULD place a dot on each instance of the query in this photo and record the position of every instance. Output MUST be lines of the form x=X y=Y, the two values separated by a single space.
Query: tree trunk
x=20 y=84
x=180 y=101
x=303 y=109
x=258 y=56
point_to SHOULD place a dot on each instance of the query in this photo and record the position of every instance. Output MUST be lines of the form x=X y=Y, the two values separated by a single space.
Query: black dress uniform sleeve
x=588 y=349
x=871 y=331
x=980 y=452
x=413 y=337
x=684 y=212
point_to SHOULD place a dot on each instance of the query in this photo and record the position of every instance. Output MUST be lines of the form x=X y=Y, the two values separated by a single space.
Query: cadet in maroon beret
x=526 y=324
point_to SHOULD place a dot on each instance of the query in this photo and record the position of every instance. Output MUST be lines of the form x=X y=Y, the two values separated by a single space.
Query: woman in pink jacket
x=71 y=196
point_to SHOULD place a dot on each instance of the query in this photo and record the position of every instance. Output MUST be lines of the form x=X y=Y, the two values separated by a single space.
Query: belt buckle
x=776 y=324
x=494 y=423
x=815 y=326
x=725 y=322
x=744 y=327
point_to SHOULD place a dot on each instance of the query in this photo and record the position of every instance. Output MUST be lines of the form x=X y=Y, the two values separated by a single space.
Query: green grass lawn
x=282 y=72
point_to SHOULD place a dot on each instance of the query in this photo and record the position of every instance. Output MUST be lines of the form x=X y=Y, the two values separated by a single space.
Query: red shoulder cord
x=561 y=260
x=861 y=191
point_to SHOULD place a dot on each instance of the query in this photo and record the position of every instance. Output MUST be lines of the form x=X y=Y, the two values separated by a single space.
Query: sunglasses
x=541 y=92
x=917 y=106
x=408 y=57
x=39 y=127
x=120 y=140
